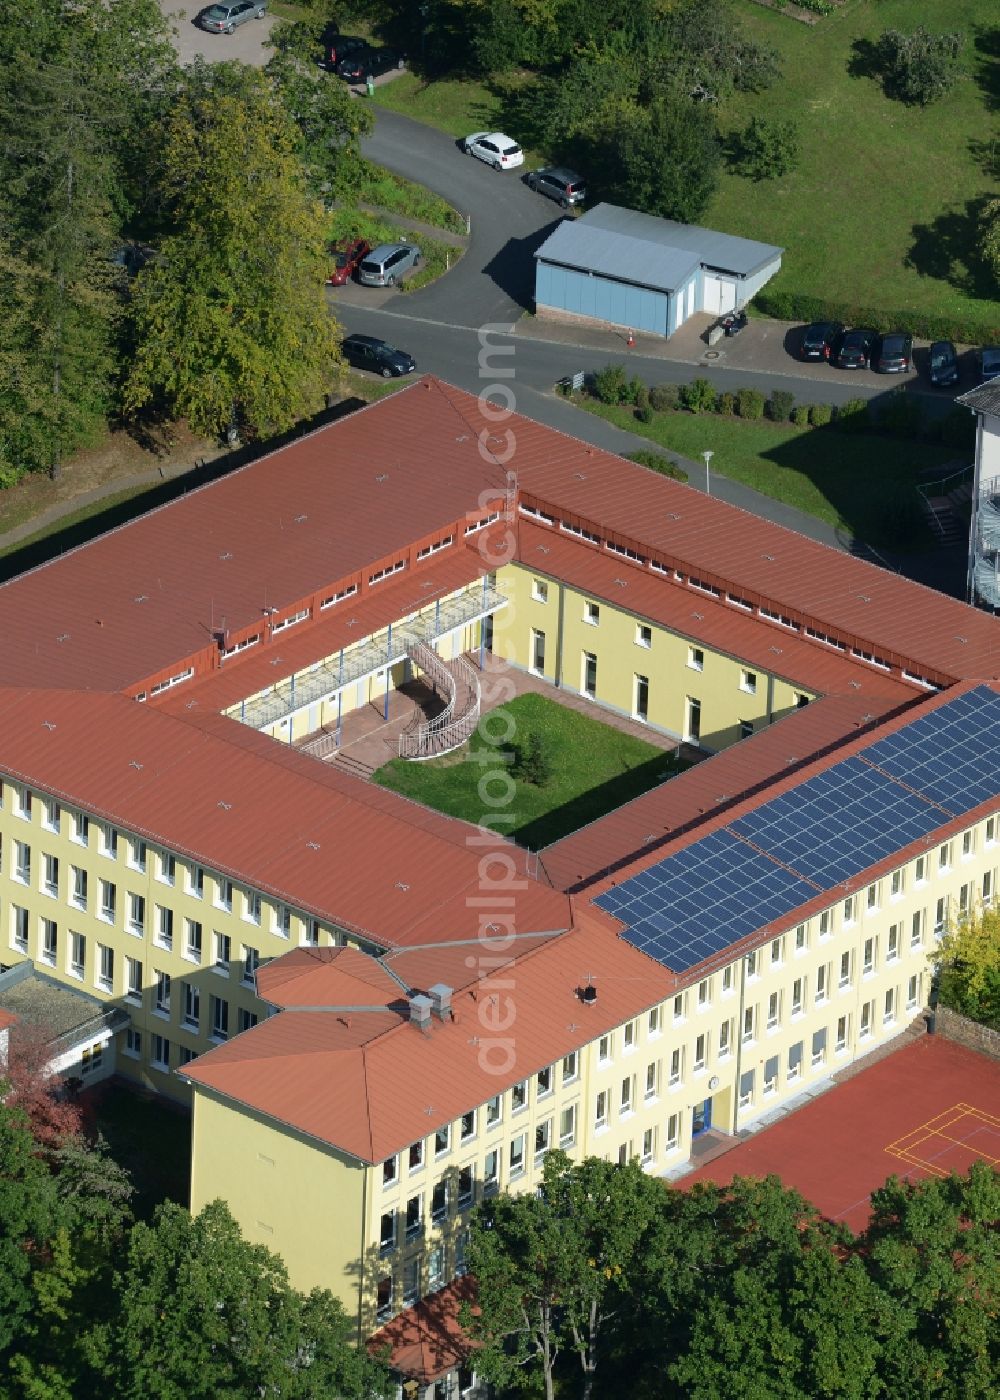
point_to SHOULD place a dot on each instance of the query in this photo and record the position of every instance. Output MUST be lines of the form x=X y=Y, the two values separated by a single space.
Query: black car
x=853 y=349
x=337 y=47
x=893 y=353
x=817 y=340
x=368 y=63
x=365 y=352
x=942 y=364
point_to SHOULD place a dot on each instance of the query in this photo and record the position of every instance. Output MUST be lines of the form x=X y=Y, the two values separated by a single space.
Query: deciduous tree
x=231 y=321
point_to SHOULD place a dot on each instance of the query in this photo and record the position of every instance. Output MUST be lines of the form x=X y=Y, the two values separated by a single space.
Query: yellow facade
x=294 y=1195
x=748 y=1038
x=633 y=666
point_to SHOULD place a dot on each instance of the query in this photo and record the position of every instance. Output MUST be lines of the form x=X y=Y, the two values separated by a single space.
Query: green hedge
x=798 y=306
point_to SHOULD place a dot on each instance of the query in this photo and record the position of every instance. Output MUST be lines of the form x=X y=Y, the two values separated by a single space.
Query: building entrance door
x=702 y=1118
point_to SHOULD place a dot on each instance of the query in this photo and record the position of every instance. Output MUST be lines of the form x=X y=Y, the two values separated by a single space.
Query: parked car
x=368 y=63
x=853 y=349
x=989 y=363
x=818 y=340
x=386 y=264
x=223 y=19
x=566 y=187
x=337 y=47
x=942 y=364
x=494 y=148
x=893 y=353
x=365 y=352
x=346 y=257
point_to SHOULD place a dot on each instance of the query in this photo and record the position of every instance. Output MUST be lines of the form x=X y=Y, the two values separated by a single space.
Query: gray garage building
x=623 y=268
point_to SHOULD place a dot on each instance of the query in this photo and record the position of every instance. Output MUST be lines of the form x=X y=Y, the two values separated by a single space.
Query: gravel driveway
x=245 y=43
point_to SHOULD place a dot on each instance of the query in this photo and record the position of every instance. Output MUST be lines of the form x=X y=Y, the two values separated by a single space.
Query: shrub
x=801 y=306
x=630 y=393
x=852 y=416
x=900 y=412
x=642 y=397
x=726 y=404
x=531 y=763
x=611 y=384
x=698 y=396
x=664 y=397
x=779 y=406
x=820 y=414
x=750 y=403
x=644 y=414
x=658 y=463
x=766 y=150
x=918 y=67
x=800 y=416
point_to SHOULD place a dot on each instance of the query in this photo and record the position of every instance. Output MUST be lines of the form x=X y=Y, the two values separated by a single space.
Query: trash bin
x=370 y=85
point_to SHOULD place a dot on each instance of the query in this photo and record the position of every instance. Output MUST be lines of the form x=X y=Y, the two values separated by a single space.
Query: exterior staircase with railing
x=456 y=722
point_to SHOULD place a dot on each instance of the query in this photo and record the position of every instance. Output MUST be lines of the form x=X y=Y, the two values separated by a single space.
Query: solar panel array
x=830 y=828
x=950 y=755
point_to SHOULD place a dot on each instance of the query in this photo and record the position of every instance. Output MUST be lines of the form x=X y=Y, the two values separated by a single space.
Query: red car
x=346 y=257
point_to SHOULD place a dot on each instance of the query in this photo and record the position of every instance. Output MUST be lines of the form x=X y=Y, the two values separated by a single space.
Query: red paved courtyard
x=931 y=1108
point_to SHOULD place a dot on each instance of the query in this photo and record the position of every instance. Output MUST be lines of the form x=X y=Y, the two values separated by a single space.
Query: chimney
x=588 y=994
x=420 y=1012
x=440 y=996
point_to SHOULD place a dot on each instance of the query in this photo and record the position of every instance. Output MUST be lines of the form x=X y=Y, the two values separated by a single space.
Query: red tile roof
x=263 y=666
x=697 y=796
x=426 y=1341
x=756 y=558
x=369 y=1083
x=236 y=801
x=702 y=618
x=335 y=978
x=267 y=536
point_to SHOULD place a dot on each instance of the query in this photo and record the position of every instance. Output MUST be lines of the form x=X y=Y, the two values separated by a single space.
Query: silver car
x=566 y=187
x=385 y=265
x=223 y=19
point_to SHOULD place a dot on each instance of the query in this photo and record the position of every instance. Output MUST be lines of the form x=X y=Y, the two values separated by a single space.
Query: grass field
x=594 y=769
x=881 y=208
x=857 y=481
x=396 y=195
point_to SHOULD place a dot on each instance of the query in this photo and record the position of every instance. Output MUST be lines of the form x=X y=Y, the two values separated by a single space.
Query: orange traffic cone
x=630 y=340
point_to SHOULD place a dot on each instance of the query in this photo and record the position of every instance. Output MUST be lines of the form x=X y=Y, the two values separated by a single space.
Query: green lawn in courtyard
x=594 y=769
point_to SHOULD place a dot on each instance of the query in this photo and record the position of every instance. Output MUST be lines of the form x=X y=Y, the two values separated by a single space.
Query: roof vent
x=440 y=995
x=588 y=994
x=420 y=1012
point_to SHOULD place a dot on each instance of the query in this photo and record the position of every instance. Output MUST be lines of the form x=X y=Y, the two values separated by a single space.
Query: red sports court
x=930 y=1108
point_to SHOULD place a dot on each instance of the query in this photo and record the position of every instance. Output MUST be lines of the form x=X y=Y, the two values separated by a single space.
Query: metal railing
x=446 y=731
x=296 y=693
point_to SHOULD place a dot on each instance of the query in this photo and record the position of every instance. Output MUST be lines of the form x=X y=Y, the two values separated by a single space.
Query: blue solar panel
x=699 y=901
x=951 y=755
x=839 y=823
x=829 y=829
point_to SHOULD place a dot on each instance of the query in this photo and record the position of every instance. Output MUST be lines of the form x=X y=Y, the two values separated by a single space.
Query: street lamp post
x=708 y=480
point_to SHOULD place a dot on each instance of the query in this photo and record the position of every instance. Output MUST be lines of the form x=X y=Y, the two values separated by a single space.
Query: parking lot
x=247 y=43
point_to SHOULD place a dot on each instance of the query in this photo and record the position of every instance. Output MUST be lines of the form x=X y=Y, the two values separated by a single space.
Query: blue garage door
x=602 y=298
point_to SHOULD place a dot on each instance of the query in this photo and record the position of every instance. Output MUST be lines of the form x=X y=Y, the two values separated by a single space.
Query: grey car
x=566 y=187
x=385 y=265
x=223 y=19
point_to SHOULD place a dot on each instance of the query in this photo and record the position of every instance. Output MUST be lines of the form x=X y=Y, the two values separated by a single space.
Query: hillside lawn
x=881 y=208
x=863 y=483
x=594 y=769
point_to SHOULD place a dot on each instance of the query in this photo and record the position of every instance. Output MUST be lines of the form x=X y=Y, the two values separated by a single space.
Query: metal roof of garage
x=647 y=251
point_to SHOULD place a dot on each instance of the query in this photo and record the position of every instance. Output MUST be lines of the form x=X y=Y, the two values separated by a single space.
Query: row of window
x=773 y=615
x=110 y=843
x=418 y=1277
x=490 y=1115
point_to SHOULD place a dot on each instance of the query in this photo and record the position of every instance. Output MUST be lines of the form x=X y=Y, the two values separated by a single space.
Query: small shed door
x=720 y=294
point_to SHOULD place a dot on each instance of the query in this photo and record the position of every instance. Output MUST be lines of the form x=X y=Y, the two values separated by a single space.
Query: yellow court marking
x=907 y=1148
